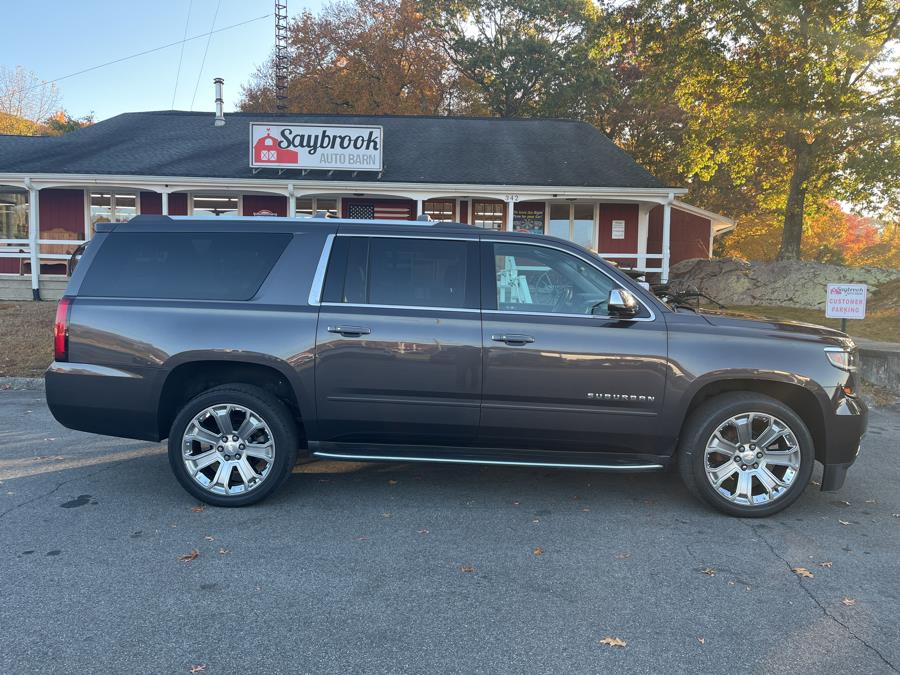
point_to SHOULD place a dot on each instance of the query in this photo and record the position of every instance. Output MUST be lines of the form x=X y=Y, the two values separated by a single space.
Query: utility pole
x=281 y=55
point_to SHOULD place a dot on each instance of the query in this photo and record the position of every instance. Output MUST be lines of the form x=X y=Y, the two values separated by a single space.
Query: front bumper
x=844 y=431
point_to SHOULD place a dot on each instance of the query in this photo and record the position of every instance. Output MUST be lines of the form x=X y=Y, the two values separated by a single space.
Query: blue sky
x=70 y=36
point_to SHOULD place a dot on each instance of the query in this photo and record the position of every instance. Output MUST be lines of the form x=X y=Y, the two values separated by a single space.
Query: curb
x=22 y=383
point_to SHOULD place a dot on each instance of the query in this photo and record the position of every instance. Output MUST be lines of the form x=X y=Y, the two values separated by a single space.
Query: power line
x=206 y=49
x=181 y=55
x=148 y=51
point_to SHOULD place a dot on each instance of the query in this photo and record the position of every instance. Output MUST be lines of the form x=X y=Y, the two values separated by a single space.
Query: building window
x=574 y=222
x=216 y=206
x=440 y=209
x=109 y=207
x=13 y=214
x=528 y=217
x=488 y=214
x=308 y=206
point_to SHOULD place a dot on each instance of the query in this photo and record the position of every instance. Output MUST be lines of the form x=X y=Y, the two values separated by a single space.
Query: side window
x=540 y=279
x=405 y=272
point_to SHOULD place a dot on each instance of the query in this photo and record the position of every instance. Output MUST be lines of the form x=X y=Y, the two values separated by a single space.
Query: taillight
x=61 y=330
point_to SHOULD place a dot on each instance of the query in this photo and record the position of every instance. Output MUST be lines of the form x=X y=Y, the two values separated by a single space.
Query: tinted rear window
x=183 y=265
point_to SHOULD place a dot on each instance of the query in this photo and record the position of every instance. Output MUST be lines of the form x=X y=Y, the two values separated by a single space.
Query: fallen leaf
x=849 y=602
x=841 y=502
x=515 y=503
x=843 y=522
x=896 y=515
x=871 y=501
x=467 y=569
x=536 y=520
x=360 y=539
x=802 y=572
x=709 y=571
x=386 y=514
x=613 y=642
x=538 y=551
x=198 y=669
x=585 y=510
x=826 y=563
x=423 y=531
x=624 y=555
x=208 y=538
x=199 y=508
x=701 y=641
x=187 y=557
x=392 y=482
x=224 y=551
x=815 y=482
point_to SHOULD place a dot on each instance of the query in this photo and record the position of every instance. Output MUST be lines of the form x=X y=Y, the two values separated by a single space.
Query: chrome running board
x=498 y=462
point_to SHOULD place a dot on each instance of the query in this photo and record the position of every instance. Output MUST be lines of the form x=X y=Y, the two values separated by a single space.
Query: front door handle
x=350 y=331
x=513 y=339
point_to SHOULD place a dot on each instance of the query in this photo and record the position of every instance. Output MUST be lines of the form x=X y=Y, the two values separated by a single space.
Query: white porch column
x=292 y=202
x=165 y=203
x=418 y=206
x=643 y=233
x=666 y=237
x=34 y=229
x=510 y=207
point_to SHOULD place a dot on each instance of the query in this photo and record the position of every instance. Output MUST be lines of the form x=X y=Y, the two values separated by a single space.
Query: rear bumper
x=844 y=431
x=102 y=400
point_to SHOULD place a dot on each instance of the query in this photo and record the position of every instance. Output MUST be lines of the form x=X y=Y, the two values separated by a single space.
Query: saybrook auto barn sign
x=316 y=146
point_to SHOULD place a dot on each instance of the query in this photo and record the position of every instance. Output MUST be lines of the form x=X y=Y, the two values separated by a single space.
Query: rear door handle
x=350 y=331
x=513 y=339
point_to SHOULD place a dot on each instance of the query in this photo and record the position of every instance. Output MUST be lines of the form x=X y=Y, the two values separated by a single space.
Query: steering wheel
x=564 y=299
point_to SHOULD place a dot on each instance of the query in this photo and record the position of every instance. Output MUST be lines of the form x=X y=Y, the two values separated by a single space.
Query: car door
x=559 y=373
x=398 y=348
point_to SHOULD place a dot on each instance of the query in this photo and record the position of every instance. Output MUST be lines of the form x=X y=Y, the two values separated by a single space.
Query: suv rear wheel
x=746 y=454
x=233 y=445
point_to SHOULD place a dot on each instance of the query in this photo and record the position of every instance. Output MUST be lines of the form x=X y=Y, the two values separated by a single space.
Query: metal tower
x=281 y=55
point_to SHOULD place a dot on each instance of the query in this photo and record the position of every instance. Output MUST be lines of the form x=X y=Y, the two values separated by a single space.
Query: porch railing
x=640 y=260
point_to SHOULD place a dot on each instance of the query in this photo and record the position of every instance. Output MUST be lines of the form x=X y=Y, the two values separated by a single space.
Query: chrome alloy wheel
x=752 y=459
x=228 y=449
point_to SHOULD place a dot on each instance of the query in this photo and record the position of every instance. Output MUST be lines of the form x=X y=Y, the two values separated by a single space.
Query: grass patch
x=879 y=324
x=26 y=338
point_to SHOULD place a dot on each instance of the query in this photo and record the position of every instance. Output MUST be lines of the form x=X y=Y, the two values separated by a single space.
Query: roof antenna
x=220 y=116
x=281 y=55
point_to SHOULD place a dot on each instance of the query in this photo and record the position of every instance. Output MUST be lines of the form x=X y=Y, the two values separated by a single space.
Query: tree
x=25 y=101
x=62 y=122
x=524 y=57
x=803 y=89
x=360 y=57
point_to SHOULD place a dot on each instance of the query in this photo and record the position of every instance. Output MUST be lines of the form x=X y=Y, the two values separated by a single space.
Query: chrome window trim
x=419 y=307
x=315 y=290
x=492 y=462
x=531 y=242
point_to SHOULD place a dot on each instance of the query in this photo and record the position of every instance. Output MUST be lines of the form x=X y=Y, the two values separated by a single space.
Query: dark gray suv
x=246 y=342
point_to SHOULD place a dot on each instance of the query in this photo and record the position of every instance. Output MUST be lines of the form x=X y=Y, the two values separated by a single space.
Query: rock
x=785 y=283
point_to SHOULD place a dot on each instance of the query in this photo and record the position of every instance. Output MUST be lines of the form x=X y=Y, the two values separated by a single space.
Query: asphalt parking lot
x=401 y=568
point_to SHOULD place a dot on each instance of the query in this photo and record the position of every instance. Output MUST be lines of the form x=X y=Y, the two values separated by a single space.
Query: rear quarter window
x=183 y=265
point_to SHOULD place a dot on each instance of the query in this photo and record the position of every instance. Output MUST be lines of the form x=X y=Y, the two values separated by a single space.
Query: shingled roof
x=442 y=150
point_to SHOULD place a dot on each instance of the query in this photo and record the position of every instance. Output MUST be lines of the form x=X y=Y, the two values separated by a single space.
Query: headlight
x=841 y=358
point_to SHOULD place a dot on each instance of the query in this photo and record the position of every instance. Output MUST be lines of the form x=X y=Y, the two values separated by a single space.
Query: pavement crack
x=44 y=495
x=812 y=597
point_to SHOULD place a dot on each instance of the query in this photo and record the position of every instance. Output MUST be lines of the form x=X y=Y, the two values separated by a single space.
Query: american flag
x=380 y=211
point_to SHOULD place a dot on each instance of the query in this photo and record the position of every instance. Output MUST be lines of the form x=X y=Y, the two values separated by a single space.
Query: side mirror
x=622 y=304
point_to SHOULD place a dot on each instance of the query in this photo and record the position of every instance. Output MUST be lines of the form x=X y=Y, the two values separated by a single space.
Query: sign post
x=846 y=301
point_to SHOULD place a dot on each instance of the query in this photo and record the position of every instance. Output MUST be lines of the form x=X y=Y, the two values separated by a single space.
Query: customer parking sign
x=846 y=301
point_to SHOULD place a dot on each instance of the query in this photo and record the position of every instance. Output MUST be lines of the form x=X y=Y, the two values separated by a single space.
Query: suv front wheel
x=746 y=454
x=233 y=445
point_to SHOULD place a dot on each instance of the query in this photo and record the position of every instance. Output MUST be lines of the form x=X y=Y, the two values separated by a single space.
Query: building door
x=398 y=347
x=575 y=222
x=559 y=374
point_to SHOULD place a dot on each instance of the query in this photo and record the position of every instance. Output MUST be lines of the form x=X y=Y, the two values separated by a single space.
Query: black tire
x=275 y=414
x=698 y=430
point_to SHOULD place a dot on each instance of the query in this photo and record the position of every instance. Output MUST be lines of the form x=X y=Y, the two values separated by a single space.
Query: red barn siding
x=61 y=210
x=689 y=236
x=151 y=203
x=274 y=203
x=606 y=244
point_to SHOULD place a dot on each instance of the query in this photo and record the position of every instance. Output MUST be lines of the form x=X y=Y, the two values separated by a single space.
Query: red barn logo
x=266 y=150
